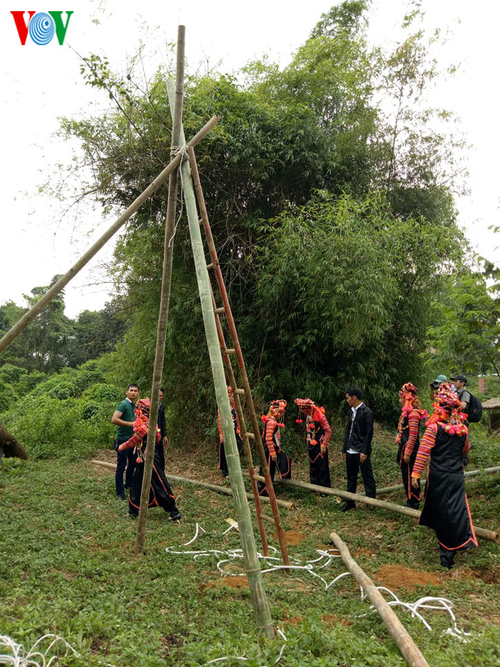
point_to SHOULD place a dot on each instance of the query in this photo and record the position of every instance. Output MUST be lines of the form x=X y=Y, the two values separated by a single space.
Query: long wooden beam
x=213 y=487
x=409 y=650
x=491 y=535
x=93 y=250
x=467 y=474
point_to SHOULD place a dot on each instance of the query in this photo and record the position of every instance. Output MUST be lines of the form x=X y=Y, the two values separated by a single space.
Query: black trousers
x=353 y=466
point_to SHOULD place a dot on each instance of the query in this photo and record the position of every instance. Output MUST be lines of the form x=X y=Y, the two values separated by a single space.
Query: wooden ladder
x=238 y=392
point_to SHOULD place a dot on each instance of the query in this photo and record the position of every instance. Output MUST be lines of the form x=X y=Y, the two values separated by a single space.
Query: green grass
x=67 y=566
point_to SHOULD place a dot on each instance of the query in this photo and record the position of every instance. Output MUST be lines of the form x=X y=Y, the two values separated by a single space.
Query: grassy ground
x=66 y=566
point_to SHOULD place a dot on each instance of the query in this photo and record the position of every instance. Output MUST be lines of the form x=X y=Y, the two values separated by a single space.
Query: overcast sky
x=42 y=83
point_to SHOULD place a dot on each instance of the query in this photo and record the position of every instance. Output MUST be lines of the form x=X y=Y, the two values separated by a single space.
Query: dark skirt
x=160 y=492
x=319 y=468
x=446 y=510
x=283 y=465
x=222 y=455
x=413 y=496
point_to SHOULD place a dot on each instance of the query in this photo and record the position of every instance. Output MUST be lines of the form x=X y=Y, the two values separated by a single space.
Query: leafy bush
x=67 y=415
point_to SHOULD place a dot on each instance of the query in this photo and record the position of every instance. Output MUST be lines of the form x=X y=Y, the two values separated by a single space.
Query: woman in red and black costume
x=408 y=440
x=271 y=439
x=222 y=453
x=160 y=492
x=318 y=434
x=446 y=509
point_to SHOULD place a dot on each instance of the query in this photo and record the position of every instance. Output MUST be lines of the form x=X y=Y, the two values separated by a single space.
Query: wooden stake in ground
x=166 y=283
x=250 y=556
x=405 y=643
x=93 y=250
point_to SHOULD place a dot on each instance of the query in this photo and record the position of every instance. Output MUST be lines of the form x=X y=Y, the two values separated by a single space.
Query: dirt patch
x=170 y=641
x=493 y=619
x=291 y=620
x=293 y=537
x=331 y=619
x=398 y=576
x=232 y=582
x=367 y=553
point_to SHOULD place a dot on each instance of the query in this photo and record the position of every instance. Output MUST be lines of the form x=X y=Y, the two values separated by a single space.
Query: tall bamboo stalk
x=94 y=249
x=166 y=284
x=250 y=556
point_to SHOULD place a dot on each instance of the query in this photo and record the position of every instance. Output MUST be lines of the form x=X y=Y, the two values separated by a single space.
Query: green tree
x=331 y=208
x=466 y=334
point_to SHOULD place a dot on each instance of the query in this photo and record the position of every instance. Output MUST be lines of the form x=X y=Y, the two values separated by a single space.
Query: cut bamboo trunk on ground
x=93 y=250
x=467 y=474
x=212 y=487
x=484 y=533
x=409 y=650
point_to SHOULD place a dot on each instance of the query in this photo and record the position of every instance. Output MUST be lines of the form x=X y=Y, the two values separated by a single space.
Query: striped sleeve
x=327 y=430
x=236 y=423
x=219 y=426
x=413 y=426
x=427 y=443
x=271 y=426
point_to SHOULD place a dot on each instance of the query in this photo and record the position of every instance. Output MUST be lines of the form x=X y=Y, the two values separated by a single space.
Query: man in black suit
x=358 y=446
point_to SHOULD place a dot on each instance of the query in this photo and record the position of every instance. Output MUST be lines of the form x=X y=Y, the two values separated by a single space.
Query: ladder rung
x=200 y=221
x=250 y=435
x=230 y=350
x=241 y=392
x=221 y=310
x=210 y=266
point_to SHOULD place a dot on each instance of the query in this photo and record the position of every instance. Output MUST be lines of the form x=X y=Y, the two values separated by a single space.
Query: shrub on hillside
x=68 y=414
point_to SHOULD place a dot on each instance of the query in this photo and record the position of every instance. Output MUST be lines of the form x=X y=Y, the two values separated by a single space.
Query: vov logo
x=41 y=26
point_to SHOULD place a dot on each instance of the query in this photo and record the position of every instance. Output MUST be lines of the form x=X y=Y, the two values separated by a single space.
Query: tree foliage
x=465 y=333
x=330 y=193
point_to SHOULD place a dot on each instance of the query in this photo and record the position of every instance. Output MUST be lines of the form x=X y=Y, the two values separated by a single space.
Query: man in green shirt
x=124 y=417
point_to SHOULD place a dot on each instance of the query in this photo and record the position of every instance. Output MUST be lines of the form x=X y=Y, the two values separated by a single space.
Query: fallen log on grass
x=213 y=487
x=9 y=446
x=491 y=535
x=468 y=473
x=409 y=650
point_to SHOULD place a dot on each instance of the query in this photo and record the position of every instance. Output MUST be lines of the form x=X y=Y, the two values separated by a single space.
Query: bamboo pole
x=491 y=535
x=205 y=485
x=243 y=374
x=94 y=249
x=166 y=284
x=409 y=650
x=241 y=418
x=467 y=473
x=250 y=556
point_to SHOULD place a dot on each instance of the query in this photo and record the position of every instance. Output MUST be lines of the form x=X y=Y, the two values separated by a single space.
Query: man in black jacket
x=358 y=446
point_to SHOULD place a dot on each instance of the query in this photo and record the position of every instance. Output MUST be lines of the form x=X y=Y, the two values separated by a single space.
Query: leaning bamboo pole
x=243 y=375
x=166 y=283
x=467 y=474
x=224 y=490
x=491 y=535
x=409 y=650
x=250 y=556
x=94 y=249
